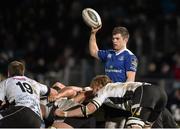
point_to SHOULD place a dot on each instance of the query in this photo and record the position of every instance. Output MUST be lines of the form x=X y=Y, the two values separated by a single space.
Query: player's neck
x=120 y=50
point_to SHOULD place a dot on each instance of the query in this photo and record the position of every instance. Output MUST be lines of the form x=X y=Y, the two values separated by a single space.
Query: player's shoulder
x=29 y=79
x=3 y=82
x=25 y=79
x=128 y=52
x=10 y=79
x=111 y=86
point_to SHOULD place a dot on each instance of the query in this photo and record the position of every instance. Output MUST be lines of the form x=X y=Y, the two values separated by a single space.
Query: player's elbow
x=94 y=54
x=58 y=84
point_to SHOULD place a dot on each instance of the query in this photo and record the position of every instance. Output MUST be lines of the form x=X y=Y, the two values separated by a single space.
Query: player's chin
x=115 y=48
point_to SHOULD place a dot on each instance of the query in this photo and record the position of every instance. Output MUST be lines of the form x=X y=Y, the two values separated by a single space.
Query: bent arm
x=67 y=92
x=78 y=89
x=59 y=85
x=78 y=112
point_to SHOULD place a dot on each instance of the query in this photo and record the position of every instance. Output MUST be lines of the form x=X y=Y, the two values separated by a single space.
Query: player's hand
x=59 y=112
x=52 y=98
x=94 y=30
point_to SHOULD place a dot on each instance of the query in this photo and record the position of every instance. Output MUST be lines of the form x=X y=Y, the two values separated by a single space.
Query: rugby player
x=23 y=96
x=146 y=103
x=120 y=65
x=72 y=97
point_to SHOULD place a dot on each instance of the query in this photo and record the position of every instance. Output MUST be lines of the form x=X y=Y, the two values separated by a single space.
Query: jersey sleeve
x=100 y=97
x=131 y=63
x=102 y=54
x=44 y=89
x=2 y=91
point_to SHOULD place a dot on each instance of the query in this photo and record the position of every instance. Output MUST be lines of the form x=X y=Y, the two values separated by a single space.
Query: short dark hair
x=16 y=68
x=121 y=30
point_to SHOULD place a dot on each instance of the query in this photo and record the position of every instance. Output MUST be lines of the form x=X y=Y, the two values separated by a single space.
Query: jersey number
x=25 y=87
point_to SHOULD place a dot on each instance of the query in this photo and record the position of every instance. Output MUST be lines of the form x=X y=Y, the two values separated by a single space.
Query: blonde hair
x=100 y=80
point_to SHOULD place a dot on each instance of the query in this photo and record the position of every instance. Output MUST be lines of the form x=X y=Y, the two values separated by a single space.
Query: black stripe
x=95 y=103
x=48 y=92
x=83 y=110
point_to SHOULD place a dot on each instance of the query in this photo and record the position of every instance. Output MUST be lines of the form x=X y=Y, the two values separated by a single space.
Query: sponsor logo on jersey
x=113 y=70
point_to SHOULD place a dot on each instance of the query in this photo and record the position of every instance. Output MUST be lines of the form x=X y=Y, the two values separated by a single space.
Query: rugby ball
x=91 y=17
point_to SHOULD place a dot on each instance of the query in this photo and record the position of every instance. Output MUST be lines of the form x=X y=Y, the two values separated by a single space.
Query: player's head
x=121 y=30
x=99 y=81
x=120 y=36
x=16 y=68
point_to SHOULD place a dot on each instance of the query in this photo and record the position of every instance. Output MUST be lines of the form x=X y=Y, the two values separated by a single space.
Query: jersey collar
x=119 y=52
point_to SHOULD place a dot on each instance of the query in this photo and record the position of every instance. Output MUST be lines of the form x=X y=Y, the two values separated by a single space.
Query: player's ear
x=125 y=39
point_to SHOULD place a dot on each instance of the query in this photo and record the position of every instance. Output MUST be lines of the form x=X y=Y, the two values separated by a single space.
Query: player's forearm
x=76 y=88
x=69 y=93
x=58 y=84
x=82 y=111
x=73 y=113
x=130 y=76
x=93 y=48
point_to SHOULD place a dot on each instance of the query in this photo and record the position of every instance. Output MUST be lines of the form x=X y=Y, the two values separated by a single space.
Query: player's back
x=22 y=91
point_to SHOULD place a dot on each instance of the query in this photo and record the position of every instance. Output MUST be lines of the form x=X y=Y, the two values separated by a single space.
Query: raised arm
x=93 y=48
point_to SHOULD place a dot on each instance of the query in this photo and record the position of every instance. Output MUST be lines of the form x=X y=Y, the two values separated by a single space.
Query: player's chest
x=114 y=61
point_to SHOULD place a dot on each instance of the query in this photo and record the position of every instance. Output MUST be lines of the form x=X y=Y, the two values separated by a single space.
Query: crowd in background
x=51 y=37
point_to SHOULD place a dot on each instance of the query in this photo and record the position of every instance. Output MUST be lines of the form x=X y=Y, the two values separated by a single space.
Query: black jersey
x=148 y=102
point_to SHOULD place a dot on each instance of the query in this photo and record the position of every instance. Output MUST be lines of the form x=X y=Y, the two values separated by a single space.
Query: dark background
x=52 y=39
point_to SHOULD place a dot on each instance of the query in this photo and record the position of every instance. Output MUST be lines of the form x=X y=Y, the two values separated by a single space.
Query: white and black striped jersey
x=117 y=89
x=23 y=91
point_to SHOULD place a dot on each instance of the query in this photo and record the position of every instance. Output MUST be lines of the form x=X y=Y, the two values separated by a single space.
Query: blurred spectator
x=53 y=39
x=39 y=32
x=166 y=72
x=174 y=103
x=176 y=67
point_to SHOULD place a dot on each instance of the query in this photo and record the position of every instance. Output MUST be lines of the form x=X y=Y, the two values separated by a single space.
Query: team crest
x=109 y=56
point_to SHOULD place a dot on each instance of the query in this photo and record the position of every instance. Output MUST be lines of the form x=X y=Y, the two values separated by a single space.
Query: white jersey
x=24 y=91
x=117 y=89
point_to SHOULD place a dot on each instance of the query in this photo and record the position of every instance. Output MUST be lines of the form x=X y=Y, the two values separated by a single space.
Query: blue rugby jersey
x=118 y=63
